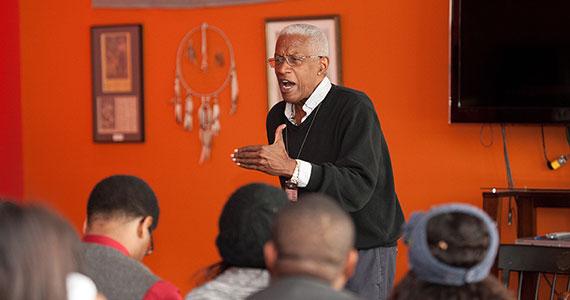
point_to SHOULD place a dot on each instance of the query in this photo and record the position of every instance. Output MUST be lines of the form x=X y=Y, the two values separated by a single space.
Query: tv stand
x=527 y=200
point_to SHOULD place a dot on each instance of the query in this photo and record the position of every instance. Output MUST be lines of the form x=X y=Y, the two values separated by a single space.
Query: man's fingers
x=248 y=154
x=250 y=166
x=250 y=161
x=248 y=148
x=245 y=151
x=279 y=133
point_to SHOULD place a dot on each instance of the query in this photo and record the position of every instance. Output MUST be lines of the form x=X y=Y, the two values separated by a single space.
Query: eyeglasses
x=292 y=60
x=150 y=249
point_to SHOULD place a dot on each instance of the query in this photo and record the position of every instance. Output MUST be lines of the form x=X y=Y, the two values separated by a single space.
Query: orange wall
x=396 y=51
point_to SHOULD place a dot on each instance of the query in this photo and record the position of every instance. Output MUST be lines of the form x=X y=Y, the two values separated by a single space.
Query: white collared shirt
x=314 y=100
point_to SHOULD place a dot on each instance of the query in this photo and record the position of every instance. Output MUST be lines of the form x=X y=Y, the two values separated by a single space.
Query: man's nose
x=283 y=67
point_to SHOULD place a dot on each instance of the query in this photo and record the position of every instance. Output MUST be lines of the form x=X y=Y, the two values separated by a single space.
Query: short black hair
x=314 y=229
x=123 y=195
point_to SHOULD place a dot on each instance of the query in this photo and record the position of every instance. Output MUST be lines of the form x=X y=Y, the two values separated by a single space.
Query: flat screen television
x=510 y=61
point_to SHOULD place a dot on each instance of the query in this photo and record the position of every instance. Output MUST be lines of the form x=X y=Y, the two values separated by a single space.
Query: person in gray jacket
x=122 y=214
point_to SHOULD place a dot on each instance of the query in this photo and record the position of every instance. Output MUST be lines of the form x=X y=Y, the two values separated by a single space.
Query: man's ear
x=144 y=226
x=351 y=261
x=323 y=65
x=270 y=256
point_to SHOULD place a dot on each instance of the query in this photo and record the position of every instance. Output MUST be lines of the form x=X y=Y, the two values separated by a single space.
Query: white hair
x=316 y=37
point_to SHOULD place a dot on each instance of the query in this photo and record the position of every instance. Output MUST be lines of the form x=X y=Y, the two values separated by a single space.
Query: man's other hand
x=271 y=159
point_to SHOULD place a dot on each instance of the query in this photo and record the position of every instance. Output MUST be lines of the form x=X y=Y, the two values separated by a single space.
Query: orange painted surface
x=395 y=51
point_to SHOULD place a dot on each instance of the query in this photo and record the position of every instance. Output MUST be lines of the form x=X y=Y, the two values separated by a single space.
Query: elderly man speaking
x=327 y=138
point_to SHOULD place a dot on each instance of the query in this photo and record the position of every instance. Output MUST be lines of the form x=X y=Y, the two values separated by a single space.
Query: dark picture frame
x=117 y=65
x=329 y=24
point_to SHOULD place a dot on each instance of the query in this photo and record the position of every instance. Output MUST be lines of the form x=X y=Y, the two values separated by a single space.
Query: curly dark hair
x=459 y=240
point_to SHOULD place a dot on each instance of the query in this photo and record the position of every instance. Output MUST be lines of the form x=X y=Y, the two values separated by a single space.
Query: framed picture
x=328 y=24
x=116 y=55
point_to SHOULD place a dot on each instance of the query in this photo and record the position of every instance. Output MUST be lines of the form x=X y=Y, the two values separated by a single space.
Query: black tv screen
x=510 y=61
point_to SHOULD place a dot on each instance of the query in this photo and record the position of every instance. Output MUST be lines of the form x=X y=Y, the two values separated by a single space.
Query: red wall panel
x=11 y=177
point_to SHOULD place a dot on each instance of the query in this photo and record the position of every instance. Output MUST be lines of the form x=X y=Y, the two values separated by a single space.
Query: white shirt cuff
x=305 y=169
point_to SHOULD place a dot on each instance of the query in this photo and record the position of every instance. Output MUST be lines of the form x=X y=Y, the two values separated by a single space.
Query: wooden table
x=527 y=200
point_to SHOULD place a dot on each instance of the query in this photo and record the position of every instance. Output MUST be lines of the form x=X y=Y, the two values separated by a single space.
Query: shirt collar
x=105 y=241
x=314 y=100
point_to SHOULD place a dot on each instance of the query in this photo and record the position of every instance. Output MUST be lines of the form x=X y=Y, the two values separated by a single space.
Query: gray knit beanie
x=430 y=269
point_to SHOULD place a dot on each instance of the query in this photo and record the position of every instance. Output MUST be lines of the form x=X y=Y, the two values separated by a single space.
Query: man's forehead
x=291 y=44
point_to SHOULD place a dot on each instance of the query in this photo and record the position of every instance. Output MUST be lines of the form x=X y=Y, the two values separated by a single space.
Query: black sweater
x=350 y=162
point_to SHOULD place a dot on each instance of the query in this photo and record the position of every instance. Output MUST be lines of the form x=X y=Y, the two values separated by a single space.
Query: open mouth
x=286 y=85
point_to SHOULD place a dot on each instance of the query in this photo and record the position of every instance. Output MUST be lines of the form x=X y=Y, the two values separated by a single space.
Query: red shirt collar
x=106 y=241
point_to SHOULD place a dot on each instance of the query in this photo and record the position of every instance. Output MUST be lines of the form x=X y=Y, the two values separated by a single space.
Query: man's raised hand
x=271 y=159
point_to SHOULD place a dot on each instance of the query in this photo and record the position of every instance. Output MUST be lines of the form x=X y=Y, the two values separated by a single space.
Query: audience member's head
x=312 y=237
x=244 y=227
x=245 y=224
x=451 y=251
x=124 y=208
x=39 y=255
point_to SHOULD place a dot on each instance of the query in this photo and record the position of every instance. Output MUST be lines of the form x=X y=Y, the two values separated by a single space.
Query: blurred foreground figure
x=40 y=256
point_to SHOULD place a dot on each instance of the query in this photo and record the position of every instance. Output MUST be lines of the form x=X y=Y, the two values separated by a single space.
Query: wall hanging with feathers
x=205 y=66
